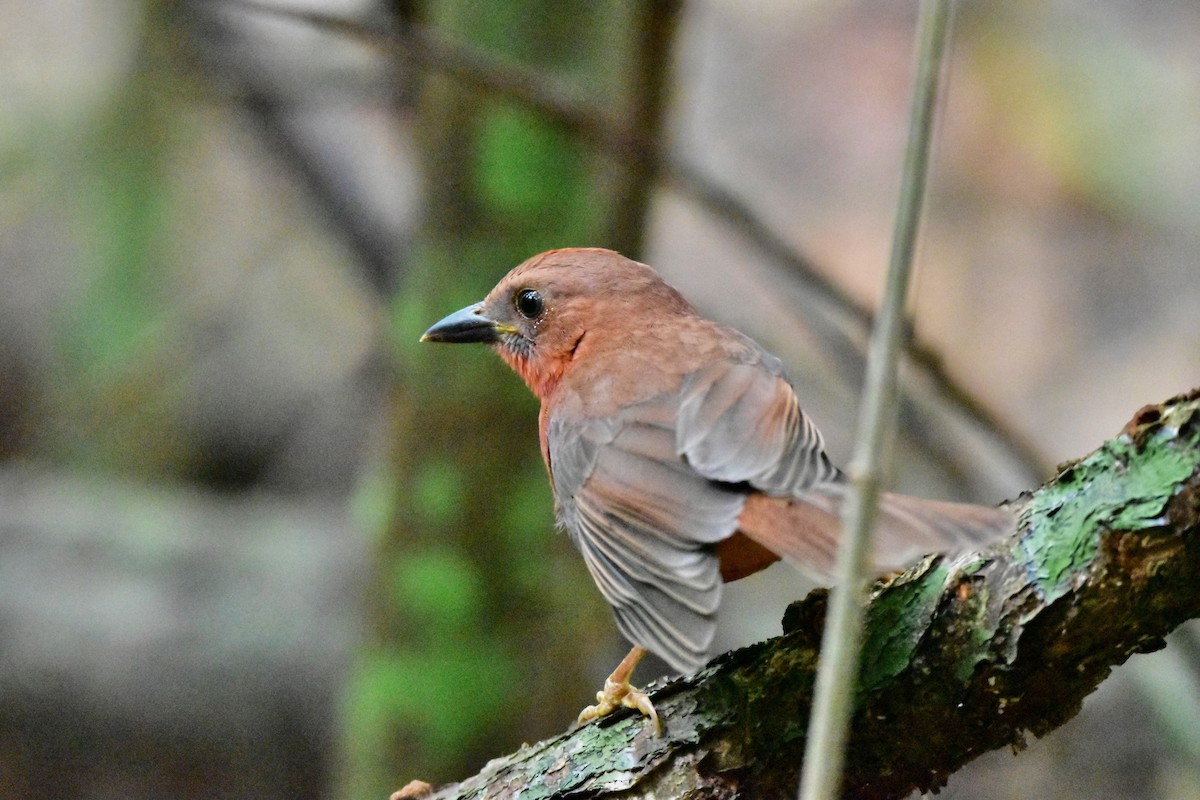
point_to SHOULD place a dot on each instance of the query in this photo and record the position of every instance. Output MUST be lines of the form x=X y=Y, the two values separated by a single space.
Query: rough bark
x=961 y=657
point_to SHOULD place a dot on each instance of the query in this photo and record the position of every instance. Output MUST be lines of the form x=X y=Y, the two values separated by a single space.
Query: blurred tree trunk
x=484 y=622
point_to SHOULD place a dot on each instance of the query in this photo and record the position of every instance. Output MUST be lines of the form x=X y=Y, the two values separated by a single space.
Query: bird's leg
x=618 y=693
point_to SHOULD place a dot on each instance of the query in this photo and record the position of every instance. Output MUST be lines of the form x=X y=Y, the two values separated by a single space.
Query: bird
x=678 y=453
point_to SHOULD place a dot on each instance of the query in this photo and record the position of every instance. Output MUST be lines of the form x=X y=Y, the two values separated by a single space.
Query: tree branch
x=962 y=656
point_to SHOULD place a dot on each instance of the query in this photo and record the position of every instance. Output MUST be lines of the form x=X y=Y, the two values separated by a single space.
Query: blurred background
x=256 y=542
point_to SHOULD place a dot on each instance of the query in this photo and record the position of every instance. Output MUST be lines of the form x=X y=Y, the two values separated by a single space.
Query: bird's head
x=558 y=305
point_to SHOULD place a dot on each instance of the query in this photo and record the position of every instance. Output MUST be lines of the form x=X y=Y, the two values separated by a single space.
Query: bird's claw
x=620 y=694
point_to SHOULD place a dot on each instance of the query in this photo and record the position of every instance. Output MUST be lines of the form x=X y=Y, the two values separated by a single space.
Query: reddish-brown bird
x=677 y=451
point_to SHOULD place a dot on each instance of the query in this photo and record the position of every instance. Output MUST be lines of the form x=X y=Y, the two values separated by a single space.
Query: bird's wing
x=739 y=421
x=645 y=522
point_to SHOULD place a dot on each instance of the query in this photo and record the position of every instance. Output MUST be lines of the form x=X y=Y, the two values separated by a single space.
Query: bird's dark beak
x=466 y=325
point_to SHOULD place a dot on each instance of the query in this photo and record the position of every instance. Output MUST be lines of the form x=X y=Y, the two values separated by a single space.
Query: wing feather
x=739 y=421
x=645 y=521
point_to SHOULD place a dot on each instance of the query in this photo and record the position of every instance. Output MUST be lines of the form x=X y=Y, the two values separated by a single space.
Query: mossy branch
x=961 y=656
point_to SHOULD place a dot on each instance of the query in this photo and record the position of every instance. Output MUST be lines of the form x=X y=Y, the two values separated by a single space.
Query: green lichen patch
x=896 y=620
x=1126 y=485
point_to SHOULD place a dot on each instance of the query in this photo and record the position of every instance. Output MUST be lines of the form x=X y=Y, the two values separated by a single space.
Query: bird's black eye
x=529 y=303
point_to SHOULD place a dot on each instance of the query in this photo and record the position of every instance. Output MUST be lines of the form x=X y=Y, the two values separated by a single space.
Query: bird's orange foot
x=620 y=694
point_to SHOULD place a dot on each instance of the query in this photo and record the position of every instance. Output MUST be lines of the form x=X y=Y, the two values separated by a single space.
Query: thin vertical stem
x=837 y=675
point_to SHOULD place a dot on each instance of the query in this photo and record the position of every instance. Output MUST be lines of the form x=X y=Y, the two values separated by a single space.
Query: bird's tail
x=805 y=530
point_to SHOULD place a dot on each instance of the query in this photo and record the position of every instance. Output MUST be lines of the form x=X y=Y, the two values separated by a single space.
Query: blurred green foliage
x=526 y=166
x=440 y=589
